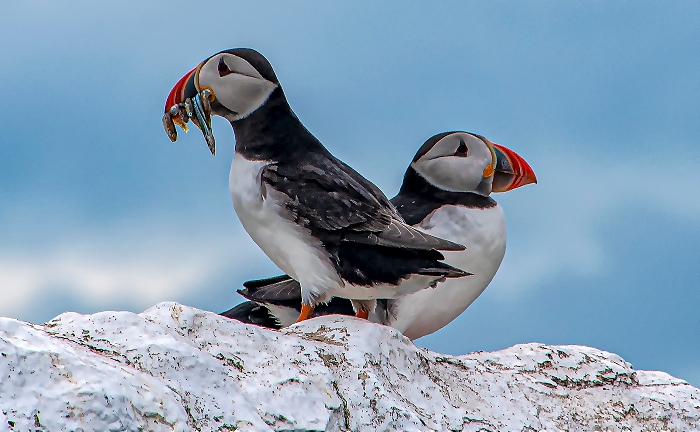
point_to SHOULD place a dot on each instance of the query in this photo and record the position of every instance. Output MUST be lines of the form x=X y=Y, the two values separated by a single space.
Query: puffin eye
x=462 y=149
x=223 y=67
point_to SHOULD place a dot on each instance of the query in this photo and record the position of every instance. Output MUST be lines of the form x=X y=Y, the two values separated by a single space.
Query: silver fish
x=204 y=120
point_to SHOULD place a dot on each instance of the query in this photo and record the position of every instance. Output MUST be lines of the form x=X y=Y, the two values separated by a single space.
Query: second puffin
x=315 y=217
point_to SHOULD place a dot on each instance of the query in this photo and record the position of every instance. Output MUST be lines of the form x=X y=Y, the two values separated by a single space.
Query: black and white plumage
x=444 y=193
x=315 y=217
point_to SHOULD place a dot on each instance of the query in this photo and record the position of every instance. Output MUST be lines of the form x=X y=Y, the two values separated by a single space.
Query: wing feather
x=401 y=235
x=326 y=195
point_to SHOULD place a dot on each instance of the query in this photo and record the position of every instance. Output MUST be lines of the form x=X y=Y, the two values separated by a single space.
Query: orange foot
x=306 y=312
x=362 y=313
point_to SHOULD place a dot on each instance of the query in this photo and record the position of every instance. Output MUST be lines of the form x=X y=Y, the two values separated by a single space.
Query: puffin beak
x=512 y=171
x=184 y=103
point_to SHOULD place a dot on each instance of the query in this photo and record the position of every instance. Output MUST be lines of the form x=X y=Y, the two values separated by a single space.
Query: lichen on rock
x=178 y=368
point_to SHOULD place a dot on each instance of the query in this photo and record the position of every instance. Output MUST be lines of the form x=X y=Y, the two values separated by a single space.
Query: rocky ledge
x=174 y=367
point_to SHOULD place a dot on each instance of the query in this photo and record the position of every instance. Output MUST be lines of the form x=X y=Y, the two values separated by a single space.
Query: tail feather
x=252 y=313
x=258 y=283
x=279 y=290
x=444 y=270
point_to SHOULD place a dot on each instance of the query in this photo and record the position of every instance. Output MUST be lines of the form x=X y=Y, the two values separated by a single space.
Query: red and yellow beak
x=512 y=171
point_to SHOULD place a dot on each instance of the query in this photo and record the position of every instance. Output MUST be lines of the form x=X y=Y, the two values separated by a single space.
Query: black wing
x=335 y=203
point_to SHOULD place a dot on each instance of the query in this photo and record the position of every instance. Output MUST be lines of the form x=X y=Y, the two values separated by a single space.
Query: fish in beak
x=185 y=102
x=512 y=171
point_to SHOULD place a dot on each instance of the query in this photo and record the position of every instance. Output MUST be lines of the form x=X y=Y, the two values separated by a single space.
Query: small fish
x=204 y=120
x=189 y=110
x=169 y=127
x=179 y=116
x=207 y=97
x=198 y=110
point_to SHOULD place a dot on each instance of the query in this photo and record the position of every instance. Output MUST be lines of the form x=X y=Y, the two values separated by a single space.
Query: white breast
x=288 y=245
x=483 y=232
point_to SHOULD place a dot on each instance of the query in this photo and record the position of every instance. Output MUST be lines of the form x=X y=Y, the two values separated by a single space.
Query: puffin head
x=231 y=84
x=465 y=162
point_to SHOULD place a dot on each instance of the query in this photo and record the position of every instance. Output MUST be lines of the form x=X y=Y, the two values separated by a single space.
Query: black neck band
x=417 y=198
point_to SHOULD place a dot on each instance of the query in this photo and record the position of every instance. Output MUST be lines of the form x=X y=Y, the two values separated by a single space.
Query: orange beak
x=512 y=171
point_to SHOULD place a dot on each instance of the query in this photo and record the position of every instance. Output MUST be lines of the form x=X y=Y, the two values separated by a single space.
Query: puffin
x=442 y=194
x=315 y=217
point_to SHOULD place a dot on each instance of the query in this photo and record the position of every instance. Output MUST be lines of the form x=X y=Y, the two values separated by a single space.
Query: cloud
x=135 y=261
x=101 y=275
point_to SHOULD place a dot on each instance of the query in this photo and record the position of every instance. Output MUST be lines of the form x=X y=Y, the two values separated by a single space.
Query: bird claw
x=197 y=109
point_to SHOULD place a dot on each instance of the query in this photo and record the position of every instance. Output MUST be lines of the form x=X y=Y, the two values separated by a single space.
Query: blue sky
x=98 y=210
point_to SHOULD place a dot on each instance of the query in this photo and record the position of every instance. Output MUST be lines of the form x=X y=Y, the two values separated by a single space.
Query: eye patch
x=223 y=68
x=462 y=149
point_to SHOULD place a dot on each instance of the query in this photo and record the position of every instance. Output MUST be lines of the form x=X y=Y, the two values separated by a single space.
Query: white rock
x=178 y=368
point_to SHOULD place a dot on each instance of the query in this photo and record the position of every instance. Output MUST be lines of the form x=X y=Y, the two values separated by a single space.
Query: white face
x=458 y=163
x=237 y=85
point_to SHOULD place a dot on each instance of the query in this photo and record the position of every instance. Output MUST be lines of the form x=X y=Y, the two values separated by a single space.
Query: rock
x=178 y=368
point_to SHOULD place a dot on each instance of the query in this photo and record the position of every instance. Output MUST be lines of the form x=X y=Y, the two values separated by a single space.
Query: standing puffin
x=442 y=194
x=316 y=218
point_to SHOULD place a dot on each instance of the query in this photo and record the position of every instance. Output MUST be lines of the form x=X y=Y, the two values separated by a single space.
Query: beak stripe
x=175 y=95
x=522 y=173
